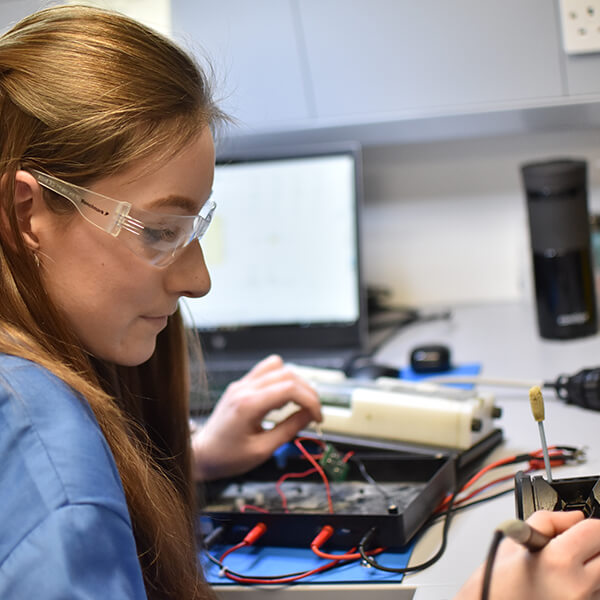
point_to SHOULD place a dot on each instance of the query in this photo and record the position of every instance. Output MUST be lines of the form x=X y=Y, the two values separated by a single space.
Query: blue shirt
x=65 y=530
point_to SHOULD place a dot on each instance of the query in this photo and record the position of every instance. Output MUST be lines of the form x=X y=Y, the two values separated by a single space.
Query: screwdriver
x=536 y=400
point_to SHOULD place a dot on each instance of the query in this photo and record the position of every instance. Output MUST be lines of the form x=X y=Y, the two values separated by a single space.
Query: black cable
x=267 y=578
x=491 y=557
x=482 y=500
x=363 y=471
x=371 y=561
x=435 y=518
x=381 y=319
x=214 y=535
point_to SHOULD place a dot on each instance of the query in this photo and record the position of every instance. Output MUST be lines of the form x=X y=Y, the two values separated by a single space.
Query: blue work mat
x=268 y=560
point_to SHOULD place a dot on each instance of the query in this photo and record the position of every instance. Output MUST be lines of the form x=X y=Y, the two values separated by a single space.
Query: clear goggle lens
x=156 y=237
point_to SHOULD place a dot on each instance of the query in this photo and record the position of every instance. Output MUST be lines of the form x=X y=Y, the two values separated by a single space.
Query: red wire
x=336 y=558
x=314 y=469
x=556 y=454
x=255 y=533
x=538 y=463
x=294 y=475
x=325 y=534
x=281 y=580
x=288 y=476
x=233 y=549
x=252 y=507
x=319 y=470
x=485 y=486
x=258 y=580
x=259 y=530
x=347 y=556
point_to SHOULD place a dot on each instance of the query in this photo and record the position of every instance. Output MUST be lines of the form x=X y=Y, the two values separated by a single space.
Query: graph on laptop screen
x=282 y=249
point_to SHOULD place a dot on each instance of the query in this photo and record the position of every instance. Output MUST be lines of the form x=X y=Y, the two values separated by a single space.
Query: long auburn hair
x=85 y=93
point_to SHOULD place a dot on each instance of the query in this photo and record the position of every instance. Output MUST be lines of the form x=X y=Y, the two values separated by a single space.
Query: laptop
x=283 y=251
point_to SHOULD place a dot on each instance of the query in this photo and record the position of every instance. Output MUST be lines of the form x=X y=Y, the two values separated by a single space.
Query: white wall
x=446 y=222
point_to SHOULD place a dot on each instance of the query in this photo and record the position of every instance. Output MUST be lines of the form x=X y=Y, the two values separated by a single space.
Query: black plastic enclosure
x=430 y=478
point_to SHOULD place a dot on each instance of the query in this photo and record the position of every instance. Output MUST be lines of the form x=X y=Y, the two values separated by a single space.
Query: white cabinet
x=253 y=47
x=386 y=70
x=395 y=58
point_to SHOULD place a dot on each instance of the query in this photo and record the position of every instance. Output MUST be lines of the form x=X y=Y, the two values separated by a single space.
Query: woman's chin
x=132 y=356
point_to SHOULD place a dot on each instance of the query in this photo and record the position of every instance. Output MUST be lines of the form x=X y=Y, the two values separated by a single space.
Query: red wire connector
x=323 y=536
x=254 y=534
x=258 y=530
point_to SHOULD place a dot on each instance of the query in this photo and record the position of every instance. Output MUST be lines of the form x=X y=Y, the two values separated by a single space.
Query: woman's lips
x=157 y=321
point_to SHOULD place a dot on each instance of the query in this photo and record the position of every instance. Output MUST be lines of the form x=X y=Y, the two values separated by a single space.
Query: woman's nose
x=188 y=275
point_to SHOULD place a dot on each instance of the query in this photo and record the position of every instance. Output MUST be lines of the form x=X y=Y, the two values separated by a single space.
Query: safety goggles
x=156 y=237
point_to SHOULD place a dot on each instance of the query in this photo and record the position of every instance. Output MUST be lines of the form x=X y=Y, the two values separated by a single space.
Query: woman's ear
x=29 y=207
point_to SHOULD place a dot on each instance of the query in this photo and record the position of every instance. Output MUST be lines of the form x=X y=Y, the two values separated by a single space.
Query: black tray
x=403 y=492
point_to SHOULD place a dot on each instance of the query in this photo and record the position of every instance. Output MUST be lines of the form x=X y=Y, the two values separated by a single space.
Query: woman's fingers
x=271 y=385
x=554 y=523
x=285 y=430
x=264 y=366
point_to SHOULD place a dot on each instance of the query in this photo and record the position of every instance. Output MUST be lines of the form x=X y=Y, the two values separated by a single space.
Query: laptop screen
x=283 y=251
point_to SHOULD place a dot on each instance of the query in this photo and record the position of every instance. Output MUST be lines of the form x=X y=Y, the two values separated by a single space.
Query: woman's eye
x=152 y=235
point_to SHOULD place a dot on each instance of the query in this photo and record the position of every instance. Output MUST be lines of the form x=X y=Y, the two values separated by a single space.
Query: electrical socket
x=580 y=21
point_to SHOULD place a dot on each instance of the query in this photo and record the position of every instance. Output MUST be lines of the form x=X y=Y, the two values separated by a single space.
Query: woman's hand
x=233 y=440
x=568 y=568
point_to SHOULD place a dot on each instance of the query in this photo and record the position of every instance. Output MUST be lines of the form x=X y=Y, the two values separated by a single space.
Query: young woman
x=106 y=168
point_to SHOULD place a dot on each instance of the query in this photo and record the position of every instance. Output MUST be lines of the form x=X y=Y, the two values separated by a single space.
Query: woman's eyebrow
x=174 y=201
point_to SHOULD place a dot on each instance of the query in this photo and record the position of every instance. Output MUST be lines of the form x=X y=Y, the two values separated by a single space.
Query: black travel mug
x=559 y=226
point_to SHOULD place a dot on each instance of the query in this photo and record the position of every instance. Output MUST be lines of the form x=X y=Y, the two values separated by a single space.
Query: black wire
x=482 y=500
x=267 y=578
x=487 y=574
x=409 y=317
x=435 y=518
x=371 y=561
x=214 y=535
x=369 y=478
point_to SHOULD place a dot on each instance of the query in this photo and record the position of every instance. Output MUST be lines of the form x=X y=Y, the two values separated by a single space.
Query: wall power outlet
x=580 y=21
